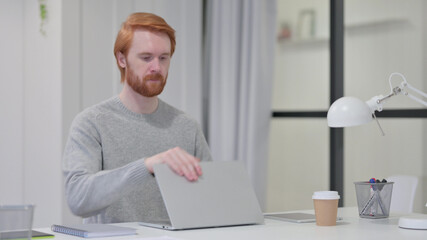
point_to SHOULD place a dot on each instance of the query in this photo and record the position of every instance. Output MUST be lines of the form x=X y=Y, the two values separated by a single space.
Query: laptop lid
x=222 y=196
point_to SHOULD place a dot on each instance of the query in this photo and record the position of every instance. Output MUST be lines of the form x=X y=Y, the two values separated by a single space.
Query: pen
x=372 y=209
x=368 y=206
x=369 y=202
x=375 y=195
x=380 y=202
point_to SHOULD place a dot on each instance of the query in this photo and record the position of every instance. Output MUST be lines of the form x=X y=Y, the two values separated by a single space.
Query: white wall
x=299 y=148
x=424 y=180
x=381 y=37
x=293 y=55
x=30 y=100
x=12 y=103
x=47 y=80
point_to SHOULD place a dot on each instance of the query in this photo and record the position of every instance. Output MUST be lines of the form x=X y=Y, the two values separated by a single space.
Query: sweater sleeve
x=88 y=188
x=202 y=149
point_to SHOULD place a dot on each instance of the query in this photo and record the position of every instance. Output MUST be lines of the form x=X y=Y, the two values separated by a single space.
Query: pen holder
x=373 y=199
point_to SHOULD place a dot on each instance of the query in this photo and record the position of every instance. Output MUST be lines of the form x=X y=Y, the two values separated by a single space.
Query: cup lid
x=326 y=195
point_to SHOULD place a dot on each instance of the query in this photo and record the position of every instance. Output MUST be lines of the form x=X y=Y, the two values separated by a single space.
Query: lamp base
x=415 y=221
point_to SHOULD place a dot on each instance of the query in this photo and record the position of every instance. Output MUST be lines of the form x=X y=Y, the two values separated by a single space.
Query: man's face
x=147 y=62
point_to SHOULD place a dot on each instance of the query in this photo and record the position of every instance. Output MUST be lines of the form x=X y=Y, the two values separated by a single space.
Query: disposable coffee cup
x=326 y=207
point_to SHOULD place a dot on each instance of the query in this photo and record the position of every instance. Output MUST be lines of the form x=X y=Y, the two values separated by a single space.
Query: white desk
x=351 y=227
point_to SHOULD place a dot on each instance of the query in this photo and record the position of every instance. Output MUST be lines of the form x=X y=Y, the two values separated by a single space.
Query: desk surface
x=351 y=227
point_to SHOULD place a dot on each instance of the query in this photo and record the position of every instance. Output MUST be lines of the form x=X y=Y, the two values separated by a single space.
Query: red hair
x=136 y=21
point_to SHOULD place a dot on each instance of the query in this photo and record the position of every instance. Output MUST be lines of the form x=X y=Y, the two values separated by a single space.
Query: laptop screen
x=222 y=196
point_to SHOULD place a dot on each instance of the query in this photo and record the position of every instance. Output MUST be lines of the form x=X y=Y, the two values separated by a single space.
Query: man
x=112 y=147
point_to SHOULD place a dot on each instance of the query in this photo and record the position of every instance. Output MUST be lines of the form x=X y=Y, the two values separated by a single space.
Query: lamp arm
x=375 y=104
x=407 y=85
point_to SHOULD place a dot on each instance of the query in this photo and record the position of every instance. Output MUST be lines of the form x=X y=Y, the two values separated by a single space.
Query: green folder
x=22 y=235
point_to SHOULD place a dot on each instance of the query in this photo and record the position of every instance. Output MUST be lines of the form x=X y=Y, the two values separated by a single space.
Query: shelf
x=376 y=23
x=290 y=42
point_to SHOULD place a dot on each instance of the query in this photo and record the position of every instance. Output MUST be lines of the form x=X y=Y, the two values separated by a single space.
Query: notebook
x=222 y=196
x=94 y=230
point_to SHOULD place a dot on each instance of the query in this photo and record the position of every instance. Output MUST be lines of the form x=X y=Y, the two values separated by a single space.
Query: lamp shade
x=349 y=111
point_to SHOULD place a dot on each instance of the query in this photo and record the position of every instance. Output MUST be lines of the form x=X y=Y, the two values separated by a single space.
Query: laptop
x=222 y=196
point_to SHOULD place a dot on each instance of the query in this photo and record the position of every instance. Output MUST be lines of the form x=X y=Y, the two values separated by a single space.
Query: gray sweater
x=106 y=180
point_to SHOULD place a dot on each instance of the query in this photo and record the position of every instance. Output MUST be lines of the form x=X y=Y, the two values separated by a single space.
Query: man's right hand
x=179 y=161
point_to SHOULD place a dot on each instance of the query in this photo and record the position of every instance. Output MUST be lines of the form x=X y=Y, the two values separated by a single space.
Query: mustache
x=155 y=76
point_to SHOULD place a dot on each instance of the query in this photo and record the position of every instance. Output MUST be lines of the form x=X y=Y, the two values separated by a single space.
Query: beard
x=151 y=85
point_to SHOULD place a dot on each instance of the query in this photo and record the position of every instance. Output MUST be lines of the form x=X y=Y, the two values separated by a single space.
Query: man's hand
x=179 y=161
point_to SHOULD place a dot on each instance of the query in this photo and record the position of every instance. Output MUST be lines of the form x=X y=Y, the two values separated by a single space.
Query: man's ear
x=121 y=59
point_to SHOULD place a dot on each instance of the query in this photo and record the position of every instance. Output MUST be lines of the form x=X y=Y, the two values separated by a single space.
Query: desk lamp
x=351 y=111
